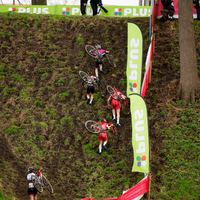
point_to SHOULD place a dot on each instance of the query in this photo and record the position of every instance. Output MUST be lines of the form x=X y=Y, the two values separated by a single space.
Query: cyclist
x=103 y=136
x=99 y=59
x=90 y=87
x=32 y=191
x=116 y=97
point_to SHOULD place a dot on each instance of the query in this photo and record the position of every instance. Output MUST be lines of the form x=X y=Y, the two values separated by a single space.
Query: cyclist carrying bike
x=99 y=59
x=103 y=136
x=32 y=191
x=90 y=87
x=116 y=97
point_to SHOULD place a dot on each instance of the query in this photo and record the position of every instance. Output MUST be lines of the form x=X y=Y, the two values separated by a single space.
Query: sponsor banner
x=134 y=59
x=140 y=134
x=160 y=7
x=28 y=9
x=67 y=10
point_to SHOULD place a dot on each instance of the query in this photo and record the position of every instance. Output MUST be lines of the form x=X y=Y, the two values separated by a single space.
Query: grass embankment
x=43 y=110
x=43 y=106
x=175 y=131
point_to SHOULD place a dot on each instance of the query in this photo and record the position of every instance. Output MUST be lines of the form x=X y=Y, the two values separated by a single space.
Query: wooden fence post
x=148 y=194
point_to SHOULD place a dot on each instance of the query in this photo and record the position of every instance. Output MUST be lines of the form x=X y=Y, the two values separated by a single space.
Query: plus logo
x=118 y=11
x=141 y=161
x=66 y=11
x=12 y=10
x=132 y=86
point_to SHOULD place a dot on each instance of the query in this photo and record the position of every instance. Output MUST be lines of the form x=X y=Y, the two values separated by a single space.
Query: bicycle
x=93 y=52
x=41 y=181
x=101 y=83
x=125 y=102
x=96 y=128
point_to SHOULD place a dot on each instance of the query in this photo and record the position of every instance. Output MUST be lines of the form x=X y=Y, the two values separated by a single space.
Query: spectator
x=94 y=5
x=83 y=6
x=168 y=10
x=197 y=2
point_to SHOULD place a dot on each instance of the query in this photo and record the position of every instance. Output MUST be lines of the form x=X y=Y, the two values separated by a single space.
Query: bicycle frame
x=103 y=130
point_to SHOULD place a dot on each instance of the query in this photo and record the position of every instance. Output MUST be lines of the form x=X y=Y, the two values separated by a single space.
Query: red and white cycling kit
x=103 y=136
x=115 y=100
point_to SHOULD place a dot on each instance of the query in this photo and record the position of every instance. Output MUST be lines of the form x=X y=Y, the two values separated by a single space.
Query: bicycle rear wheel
x=114 y=136
x=126 y=106
x=91 y=50
x=37 y=183
x=84 y=76
x=110 y=60
x=92 y=126
x=102 y=88
x=47 y=184
x=113 y=93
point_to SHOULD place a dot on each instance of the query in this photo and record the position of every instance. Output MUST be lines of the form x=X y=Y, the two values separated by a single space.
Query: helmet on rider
x=116 y=89
x=98 y=46
x=30 y=169
x=103 y=120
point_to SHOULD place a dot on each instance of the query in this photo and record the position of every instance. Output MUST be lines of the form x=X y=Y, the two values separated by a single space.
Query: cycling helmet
x=98 y=46
x=116 y=89
x=30 y=169
x=103 y=120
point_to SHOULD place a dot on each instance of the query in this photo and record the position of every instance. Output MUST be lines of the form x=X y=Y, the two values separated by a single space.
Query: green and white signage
x=140 y=134
x=67 y=10
x=134 y=59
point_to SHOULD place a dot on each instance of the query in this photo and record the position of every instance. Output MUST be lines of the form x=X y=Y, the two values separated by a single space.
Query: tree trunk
x=39 y=2
x=189 y=84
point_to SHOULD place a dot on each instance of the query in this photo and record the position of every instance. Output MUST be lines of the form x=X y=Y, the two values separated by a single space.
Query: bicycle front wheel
x=91 y=51
x=84 y=75
x=92 y=126
x=37 y=183
x=47 y=184
x=102 y=88
x=110 y=60
x=126 y=106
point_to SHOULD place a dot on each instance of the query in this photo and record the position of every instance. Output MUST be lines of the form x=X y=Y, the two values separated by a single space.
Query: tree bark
x=39 y=2
x=189 y=84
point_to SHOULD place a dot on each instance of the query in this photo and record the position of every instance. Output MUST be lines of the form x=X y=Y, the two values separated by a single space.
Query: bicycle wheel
x=92 y=126
x=47 y=184
x=110 y=60
x=113 y=93
x=91 y=50
x=102 y=88
x=126 y=106
x=84 y=76
x=37 y=183
x=114 y=136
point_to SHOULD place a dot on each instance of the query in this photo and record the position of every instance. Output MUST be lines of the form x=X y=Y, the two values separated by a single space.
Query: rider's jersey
x=30 y=183
x=90 y=81
x=100 y=54
x=116 y=97
x=104 y=126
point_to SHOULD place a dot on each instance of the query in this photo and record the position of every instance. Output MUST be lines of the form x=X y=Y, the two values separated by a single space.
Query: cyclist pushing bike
x=116 y=96
x=99 y=58
x=91 y=80
x=32 y=191
x=103 y=136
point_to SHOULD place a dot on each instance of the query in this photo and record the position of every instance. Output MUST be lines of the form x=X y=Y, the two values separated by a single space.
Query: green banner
x=134 y=59
x=140 y=134
x=67 y=10
x=28 y=9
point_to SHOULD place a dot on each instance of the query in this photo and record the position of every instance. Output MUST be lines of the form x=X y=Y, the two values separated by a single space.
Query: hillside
x=43 y=110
